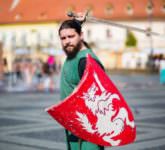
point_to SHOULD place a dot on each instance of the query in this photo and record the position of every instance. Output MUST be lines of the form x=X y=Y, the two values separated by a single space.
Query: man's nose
x=67 y=41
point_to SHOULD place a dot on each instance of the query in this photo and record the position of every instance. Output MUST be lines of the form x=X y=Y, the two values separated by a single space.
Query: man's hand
x=80 y=16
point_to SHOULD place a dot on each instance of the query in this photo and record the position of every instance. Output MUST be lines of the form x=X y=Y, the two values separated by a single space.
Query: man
x=76 y=50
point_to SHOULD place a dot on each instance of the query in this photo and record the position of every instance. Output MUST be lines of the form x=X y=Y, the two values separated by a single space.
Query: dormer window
x=71 y=8
x=43 y=15
x=129 y=9
x=109 y=9
x=18 y=16
x=90 y=9
x=149 y=8
x=163 y=7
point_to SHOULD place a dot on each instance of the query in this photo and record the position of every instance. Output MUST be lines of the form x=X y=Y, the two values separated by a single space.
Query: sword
x=98 y=20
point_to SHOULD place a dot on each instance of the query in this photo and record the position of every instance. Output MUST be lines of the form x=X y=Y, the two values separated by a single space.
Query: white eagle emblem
x=110 y=122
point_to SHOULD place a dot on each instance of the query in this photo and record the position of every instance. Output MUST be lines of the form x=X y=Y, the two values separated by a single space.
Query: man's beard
x=73 y=53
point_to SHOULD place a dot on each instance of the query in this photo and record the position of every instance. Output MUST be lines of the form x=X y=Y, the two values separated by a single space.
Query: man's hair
x=73 y=24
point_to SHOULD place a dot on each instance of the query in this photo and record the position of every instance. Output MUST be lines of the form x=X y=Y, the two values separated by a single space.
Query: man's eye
x=71 y=36
x=62 y=38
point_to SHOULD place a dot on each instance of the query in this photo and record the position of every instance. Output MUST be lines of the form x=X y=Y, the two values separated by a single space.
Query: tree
x=131 y=40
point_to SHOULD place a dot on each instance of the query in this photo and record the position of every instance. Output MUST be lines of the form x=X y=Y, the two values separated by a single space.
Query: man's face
x=71 y=41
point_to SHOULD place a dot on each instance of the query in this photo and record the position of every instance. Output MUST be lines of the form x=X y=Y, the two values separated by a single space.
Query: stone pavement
x=24 y=125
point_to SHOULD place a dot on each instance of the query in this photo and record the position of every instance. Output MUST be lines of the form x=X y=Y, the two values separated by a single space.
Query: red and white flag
x=96 y=111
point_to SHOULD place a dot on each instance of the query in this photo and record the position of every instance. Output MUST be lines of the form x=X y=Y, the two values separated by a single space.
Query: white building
x=38 y=28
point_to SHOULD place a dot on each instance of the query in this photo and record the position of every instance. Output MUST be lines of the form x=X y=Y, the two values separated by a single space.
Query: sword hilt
x=78 y=17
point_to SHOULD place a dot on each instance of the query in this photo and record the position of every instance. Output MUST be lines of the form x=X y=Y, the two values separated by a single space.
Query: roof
x=23 y=11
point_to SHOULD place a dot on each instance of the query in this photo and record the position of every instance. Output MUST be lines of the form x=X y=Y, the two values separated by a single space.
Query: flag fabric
x=96 y=111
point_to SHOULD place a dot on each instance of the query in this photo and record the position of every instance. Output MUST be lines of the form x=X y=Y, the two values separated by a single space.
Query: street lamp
x=150 y=16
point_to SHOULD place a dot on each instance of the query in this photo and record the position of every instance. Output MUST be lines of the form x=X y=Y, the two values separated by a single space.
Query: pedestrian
x=51 y=63
x=76 y=49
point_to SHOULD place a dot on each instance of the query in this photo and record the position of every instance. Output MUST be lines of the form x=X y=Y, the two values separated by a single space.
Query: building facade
x=25 y=32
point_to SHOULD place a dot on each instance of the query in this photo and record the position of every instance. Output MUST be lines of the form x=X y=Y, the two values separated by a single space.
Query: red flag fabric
x=96 y=111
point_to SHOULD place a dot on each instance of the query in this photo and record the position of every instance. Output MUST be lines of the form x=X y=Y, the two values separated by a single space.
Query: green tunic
x=69 y=80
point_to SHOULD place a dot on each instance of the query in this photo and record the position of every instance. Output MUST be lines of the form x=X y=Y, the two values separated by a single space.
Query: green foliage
x=131 y=40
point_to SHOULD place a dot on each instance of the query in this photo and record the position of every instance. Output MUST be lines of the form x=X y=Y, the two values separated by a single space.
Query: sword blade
x=112 y=23
x=96 y=20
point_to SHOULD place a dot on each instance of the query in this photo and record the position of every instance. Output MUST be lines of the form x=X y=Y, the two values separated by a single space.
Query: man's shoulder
x=83 y=53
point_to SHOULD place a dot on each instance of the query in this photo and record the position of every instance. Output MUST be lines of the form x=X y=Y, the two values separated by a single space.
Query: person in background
x=51 y=63
x=46 y=83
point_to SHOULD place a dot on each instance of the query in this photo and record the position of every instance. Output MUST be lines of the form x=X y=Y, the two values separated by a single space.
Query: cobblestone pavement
x=24 y=125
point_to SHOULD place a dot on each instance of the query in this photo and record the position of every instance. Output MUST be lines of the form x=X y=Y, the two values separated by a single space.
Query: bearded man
x=76 y=49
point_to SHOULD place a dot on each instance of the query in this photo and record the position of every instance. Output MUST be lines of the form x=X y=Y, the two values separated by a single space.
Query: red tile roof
x=20 y=11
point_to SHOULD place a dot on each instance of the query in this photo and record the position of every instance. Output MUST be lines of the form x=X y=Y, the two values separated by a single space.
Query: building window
x=4 y=38
x=18 y=16
x=71 y=8
x=109 y=9
x=163 y=6
x=23 y=39
x=149 y=7
x=89 y=34
x=1 y=37
x=89 y=9
x=129 y=9
x=43 y=15
x=13 y=40
x=50 y=38
x=108 y=33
